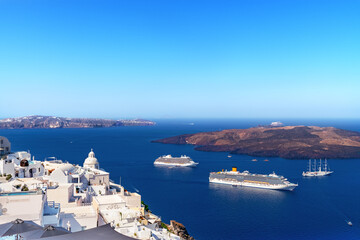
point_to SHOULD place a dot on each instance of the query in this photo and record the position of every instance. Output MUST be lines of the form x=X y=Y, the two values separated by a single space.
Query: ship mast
x=326 y=165
x=320 y=166
x=314 y=165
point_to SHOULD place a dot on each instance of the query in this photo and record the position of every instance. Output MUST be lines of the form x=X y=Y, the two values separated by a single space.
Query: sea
x=318 y=208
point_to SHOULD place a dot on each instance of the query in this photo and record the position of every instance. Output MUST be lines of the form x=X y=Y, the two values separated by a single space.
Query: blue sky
x=180 y=59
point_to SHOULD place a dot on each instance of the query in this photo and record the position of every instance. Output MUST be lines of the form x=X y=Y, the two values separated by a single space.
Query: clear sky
x=180 y=58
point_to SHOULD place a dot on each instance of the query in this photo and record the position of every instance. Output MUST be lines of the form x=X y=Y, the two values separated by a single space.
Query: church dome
x=91 y=160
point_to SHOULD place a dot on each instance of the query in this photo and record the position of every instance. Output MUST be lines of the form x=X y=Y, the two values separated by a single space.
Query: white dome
x=91 y=160
x=67 y=167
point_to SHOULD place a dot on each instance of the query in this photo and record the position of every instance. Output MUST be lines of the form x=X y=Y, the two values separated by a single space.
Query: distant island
x=291 y=142
x=62 y=122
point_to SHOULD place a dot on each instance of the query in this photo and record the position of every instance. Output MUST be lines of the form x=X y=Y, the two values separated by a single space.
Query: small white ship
x=168 y=160
x=246 y=179
x=317 y=171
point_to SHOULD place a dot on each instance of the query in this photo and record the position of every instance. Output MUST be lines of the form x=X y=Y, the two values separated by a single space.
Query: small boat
x=254 y=160
x=229 y=156
x=266 y=160
x=349 y=223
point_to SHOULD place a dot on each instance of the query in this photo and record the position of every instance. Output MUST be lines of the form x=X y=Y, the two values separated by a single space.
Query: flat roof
x=105 y=232
x=85 y=211
x=108 y=199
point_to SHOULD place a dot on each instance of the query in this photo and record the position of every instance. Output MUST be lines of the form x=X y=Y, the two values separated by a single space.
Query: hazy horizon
x=270 y=119
x=167 y=59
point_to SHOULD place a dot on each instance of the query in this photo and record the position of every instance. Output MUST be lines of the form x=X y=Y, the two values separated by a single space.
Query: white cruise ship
x=246 y=179
x=168 y=160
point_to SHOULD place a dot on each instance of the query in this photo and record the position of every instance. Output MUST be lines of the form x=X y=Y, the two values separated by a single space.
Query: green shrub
x=24 y=188
x=146 y=206
x=8 y=177
x=163 y=225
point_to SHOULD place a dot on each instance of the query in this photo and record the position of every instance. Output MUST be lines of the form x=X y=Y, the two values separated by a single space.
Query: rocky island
x=291 y=142
x=62 y=122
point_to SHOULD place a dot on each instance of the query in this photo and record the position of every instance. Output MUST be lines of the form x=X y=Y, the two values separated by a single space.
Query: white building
x=79 y=218
x=84 y=180
x=19 y=164
x=67 y=195
x=7 y=166
x=21 y=184
x=29 y=205
x=5 y=146
x=276 y=124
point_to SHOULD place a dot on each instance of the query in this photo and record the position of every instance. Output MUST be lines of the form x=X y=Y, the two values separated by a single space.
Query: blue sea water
x=317 y=209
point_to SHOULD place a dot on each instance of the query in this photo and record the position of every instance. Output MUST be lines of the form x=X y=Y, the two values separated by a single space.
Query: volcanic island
x=290 y=142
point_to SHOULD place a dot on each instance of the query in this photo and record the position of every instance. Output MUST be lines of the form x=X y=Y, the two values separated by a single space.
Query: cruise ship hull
x=170 y=161
x=175 y=164
x=285 y=187
x=316 y=174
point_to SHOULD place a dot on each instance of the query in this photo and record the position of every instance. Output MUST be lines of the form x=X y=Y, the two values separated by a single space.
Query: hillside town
x=63 y=198
x=37 y=121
